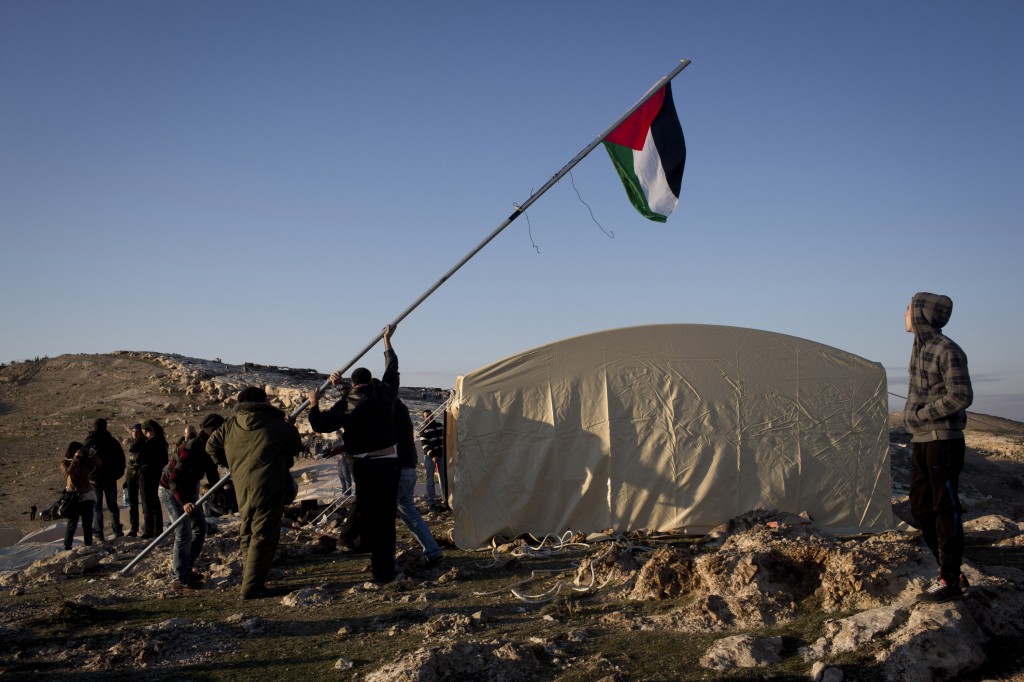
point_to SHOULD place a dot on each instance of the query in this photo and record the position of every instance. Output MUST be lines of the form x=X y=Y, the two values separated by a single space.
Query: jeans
x=411 y=517
x=188 y=536
x=106 y=490
x=431 y=467
x=132 y=482
x=345 y=474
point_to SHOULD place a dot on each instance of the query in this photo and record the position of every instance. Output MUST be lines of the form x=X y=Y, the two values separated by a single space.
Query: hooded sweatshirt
x=940 y=387
x=258 y=446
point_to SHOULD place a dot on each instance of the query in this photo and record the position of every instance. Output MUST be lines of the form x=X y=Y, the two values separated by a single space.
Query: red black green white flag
x=649 y=153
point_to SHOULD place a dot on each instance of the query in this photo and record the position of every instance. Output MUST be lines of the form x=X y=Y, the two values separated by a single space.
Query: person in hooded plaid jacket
x=935 y=415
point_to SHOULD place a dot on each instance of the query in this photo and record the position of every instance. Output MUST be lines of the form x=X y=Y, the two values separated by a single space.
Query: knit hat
x=150 y=425
x=252 y=394
x=212 y=423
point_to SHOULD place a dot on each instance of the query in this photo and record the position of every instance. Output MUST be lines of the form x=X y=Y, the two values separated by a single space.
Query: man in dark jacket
x=258 y=446
x=179 y=492
x=104 y=478
x=366 y=412
x=152 y=453
x=935 y=415
x=133 y=476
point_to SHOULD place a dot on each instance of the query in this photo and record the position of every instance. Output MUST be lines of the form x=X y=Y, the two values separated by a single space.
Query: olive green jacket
x=258 y=446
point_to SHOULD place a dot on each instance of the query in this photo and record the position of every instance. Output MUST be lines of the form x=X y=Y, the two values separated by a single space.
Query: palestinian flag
x=649 y=152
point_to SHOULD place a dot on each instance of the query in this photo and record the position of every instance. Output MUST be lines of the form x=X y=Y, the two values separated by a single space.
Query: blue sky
x=274 y=182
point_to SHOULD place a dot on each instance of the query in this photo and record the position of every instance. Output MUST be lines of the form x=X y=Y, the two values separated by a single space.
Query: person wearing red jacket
x=179 y=492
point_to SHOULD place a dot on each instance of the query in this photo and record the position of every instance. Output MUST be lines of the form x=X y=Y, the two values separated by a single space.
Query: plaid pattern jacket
x=940 y=387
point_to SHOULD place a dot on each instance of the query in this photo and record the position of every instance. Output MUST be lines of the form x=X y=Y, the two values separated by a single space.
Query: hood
x=254 y=416
x=929 y=313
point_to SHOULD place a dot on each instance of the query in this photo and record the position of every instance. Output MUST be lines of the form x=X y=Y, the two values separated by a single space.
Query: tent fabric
x=668 y=427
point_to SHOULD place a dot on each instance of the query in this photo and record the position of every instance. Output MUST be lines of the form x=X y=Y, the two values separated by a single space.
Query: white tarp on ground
x=668 y=427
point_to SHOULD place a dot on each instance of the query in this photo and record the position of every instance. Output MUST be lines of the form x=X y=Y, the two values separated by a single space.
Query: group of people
x=258 y=445
x=156 y=478
x=92 y=470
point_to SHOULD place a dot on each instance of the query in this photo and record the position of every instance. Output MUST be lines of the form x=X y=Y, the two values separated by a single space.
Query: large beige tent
x=663 y=427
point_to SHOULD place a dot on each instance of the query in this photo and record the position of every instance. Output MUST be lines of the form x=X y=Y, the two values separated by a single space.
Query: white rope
x=554 y=590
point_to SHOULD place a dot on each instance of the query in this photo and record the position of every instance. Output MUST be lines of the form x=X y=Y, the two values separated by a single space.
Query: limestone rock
x=462 y=661
x=938 y=641
x=849 y=634
x=742 y=651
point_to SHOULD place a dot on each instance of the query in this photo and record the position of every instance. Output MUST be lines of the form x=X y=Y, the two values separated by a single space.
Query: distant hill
x=47 y=403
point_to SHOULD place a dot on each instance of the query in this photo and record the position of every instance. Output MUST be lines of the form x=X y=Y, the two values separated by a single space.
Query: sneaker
x=179 y=586
x=195 y=579
x=961 y=581
x=964 y=584
x=433 y=561
x=939 y=591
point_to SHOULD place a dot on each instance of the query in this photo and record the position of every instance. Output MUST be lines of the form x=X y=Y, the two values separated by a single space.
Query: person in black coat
x=366 y=412
x=152 y=460
x=104 y=477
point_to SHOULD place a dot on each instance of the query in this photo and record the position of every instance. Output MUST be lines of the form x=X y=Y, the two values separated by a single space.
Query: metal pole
x=508 y=221
x=177 y=522
x=520 y=209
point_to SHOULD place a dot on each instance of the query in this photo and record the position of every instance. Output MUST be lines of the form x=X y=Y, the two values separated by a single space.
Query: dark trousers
x=152 y=512
x=132 y=483
x=106 y=493
x=83 y=510
x=258 y=535
x=935 y=502
x=377 y=506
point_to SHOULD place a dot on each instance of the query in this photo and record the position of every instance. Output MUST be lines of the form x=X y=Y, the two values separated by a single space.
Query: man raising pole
x=366 y=412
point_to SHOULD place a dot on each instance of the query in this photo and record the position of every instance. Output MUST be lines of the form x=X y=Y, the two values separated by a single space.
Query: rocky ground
x=766 y=596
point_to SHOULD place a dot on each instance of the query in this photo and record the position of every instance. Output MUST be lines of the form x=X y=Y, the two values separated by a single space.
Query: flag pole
x=520 y=209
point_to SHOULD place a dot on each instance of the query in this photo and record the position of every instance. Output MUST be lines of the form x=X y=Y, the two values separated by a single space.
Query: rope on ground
x=560 y=544
x=555 y=590
x=533 y=576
